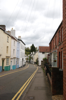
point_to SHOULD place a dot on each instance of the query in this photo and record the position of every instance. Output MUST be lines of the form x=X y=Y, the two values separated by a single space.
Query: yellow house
x=5 y=50
x=35 y=56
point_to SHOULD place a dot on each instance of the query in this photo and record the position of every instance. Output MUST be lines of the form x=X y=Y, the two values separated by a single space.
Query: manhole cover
x=31 y=97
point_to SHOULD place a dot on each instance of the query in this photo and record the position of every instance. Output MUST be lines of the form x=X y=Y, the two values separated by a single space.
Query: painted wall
x=41 y=56
x=3 y=47
x=22 y=54
x=35 y=56
x=13 y=53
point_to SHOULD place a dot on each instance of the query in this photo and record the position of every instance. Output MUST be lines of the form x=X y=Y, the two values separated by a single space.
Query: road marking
x=14 y=71
x=22 y=89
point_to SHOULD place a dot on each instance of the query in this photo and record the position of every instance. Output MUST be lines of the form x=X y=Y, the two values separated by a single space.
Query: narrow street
x=11 y=83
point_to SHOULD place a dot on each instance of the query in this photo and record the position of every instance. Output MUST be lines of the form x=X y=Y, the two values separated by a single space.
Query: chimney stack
x=3 y=27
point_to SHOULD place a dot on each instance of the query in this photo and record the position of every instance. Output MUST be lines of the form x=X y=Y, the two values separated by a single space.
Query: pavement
x=17 y=69
x=39 y=89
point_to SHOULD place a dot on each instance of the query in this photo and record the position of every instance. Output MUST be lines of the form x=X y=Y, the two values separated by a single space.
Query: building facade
x=17 y=54
x=56 y=48
x=35 y=56
x=43 y=53
x=64 y=49
x=13 y=49
x=5 y=50
x=22 y=52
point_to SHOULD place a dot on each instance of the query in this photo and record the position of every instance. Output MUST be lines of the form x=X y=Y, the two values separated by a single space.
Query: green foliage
x=37 y=61
x=33 y=48
x=30 y=58
x=27 y=51
x=44 y=58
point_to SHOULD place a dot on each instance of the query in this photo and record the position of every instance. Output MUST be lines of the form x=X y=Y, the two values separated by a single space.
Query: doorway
x=2 y=64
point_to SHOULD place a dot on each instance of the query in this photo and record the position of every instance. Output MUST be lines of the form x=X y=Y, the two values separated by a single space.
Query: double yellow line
x=14 y=71
x=22 y=89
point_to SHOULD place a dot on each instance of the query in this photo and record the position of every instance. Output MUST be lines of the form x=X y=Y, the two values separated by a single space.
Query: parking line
x=22 y=89
x=14 y=71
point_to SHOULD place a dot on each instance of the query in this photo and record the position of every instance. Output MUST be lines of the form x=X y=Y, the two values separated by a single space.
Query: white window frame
x=7 y=61
x=7 y=38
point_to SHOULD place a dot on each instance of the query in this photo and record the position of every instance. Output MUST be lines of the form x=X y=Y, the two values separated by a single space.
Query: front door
x=2 y=65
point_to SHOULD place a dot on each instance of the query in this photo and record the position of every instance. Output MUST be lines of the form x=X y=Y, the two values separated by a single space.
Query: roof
x=8 y=34
x=21 y=41
x=57 y=30
x=44 y=49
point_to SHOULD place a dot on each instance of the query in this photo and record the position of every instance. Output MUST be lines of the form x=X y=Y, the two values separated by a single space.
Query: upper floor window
x=13 y=51
x=7 y=49
x=62 y=34
x=55 y=40
x=59 y=36
x=7 y=38
x=14 y=43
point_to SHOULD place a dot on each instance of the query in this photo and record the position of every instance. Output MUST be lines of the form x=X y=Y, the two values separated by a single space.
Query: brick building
x=64 y=49
x=56 y=48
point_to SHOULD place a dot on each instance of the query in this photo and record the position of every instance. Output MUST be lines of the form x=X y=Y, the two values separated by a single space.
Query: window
x=14 y=61
x=59 y=36
x=13 y=51
x=7 y=49
x=56 y=40
x=62 y=34
x=17 y=61
x=7 y=61
x=14 y=43
x=7 y=38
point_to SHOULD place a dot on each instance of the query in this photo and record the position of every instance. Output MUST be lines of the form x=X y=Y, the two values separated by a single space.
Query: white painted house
x=43 y=53
x=13 y=49
x=22 y=52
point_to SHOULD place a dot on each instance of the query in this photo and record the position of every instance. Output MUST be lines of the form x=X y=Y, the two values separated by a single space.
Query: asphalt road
x=10 y=84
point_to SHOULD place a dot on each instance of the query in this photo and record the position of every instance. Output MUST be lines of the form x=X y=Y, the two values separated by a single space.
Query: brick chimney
x=64 y=49
x=3 y=27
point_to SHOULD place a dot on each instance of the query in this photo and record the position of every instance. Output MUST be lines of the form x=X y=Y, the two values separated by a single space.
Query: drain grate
x=31 y=98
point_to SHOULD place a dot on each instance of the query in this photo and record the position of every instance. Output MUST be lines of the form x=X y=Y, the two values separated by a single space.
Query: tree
x=27 y=51
x=33 y=49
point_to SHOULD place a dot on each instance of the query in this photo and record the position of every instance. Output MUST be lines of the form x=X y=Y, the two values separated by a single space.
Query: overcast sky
x=34 y=20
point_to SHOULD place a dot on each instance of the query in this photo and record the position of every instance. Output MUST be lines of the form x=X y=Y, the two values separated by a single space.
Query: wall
x=22 y=55
x=64 y=49
x=57 y=81
x=3 y=45
x=35 y=56
x=56 y=44
x=41 y=56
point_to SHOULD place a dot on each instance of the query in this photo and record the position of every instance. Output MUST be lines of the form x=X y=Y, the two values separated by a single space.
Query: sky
x=34 y=20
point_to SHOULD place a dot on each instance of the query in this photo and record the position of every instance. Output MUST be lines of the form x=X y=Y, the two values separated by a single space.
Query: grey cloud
x=52 y=14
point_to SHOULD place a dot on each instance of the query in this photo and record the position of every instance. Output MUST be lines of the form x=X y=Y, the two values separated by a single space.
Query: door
x=2 y=65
